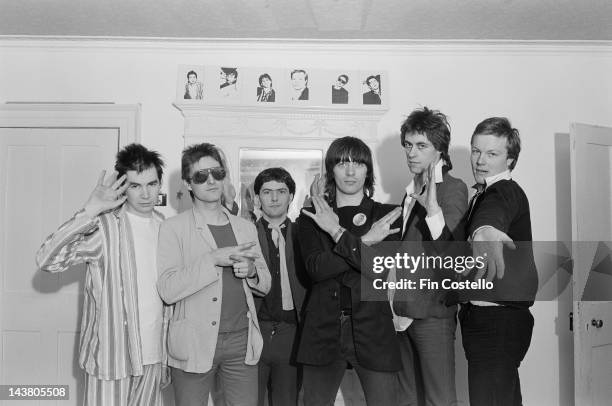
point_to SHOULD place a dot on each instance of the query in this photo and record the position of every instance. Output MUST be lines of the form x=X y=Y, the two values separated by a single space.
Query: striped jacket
x=110 y=346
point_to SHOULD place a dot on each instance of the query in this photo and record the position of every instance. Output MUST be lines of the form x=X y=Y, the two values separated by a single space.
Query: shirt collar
x=437 y=177
x=200 y=222
x=266 y=223
x=505 y=175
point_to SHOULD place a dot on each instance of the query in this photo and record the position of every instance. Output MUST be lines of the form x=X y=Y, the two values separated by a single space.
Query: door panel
x=591 y=158
x=46 y=176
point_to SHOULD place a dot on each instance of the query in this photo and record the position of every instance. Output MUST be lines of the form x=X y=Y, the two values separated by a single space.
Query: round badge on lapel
x=359 y=219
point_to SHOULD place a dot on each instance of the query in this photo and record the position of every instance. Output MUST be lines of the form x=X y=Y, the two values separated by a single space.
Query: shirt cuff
x=435 y=224
x=477 y=230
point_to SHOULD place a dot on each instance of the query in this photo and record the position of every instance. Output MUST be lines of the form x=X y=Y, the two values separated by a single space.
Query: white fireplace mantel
x=279 y=124
x=238 y=128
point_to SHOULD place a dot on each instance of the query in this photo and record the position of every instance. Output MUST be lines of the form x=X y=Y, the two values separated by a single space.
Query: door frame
x=582 y=310
x=124 y=117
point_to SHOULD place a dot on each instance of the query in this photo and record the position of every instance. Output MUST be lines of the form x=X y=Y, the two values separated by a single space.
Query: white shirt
x=435 y=223
x=145 y=231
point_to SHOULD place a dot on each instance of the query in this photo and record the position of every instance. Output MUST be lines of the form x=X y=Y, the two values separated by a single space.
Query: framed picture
x=299 y=90
x=303 y=165
x=229 y=83
x=265 y=91
x=190 y=84
x=340 y=89
x=372 y=89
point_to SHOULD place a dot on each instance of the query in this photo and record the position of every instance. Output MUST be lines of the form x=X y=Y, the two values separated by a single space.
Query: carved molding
x=124 y=117
x=280 y=122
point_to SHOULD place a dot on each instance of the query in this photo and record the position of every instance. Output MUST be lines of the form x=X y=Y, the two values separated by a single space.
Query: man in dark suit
x=280 y=311
x=434 y=202
x=299 y=83
x=497 y=328
x=340 y=327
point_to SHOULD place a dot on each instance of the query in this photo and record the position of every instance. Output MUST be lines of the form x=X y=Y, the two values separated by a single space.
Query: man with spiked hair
x=115 y=235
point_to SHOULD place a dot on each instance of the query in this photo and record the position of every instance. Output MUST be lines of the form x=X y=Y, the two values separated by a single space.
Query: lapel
x=205 y=233
x=416 y=218
x=289 y=256
x=263 y=240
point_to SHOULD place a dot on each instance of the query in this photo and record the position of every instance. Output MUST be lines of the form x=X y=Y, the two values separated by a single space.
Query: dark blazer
x=304 y=95
x=339 y=96
x=504 y=205
x=298 y=280
x=452 y=197
x=331 y=266
x=371 y=98
x=271 y=95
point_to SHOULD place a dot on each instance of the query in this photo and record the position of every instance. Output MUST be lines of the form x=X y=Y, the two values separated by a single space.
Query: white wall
x=540 y=87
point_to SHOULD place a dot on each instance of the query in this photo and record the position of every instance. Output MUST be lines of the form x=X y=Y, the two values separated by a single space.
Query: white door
x=591 y=161
x=46 y=175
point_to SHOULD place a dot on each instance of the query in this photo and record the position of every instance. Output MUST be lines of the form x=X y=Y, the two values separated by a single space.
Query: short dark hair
x=346 y=78
x=300 y=71
x=342 y=150
x=136 y=157
x=263 y=76
x=194 y=153
x=279 y=175
x=192 y=72
x=501 y=127
x=434 y=125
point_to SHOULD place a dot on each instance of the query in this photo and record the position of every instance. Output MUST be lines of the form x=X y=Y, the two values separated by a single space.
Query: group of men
x=215 y=303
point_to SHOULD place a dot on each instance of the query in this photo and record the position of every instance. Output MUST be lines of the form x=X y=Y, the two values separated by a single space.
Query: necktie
x=480 y=188
x=279 y=242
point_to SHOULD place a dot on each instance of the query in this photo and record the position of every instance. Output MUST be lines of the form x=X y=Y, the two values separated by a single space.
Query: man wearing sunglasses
x=210 y=264
x=122 y=330
x=339 y=93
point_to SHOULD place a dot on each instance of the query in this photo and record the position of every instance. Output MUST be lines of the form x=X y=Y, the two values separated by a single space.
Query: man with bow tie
x=280 y=311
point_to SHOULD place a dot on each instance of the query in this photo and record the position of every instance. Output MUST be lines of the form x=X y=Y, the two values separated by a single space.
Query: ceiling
x=558 y=20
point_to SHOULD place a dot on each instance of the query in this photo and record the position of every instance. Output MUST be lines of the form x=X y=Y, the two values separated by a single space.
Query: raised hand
x=489 y=242
x=381 y=228
x=223 y=256
x=229 y=192
x=106 y=195
x=317 y=187
x=324 y=216
x=428 y=197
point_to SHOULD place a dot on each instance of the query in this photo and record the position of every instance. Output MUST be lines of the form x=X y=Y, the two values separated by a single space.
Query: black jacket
x=331 y=267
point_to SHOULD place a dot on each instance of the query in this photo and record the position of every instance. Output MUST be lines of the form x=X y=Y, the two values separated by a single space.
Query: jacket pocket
x=181 y=336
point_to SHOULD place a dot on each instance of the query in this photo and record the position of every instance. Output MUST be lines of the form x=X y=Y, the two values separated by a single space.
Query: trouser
x=321 y=382
x=141 y=390
x=495 y=340
x=277 y=372
x=237 y=379
x=428 y=357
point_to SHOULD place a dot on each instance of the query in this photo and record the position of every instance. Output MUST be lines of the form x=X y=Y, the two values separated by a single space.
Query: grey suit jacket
x=191 y=281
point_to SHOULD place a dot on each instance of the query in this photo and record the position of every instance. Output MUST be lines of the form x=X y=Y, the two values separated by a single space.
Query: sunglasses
x=218 y=173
